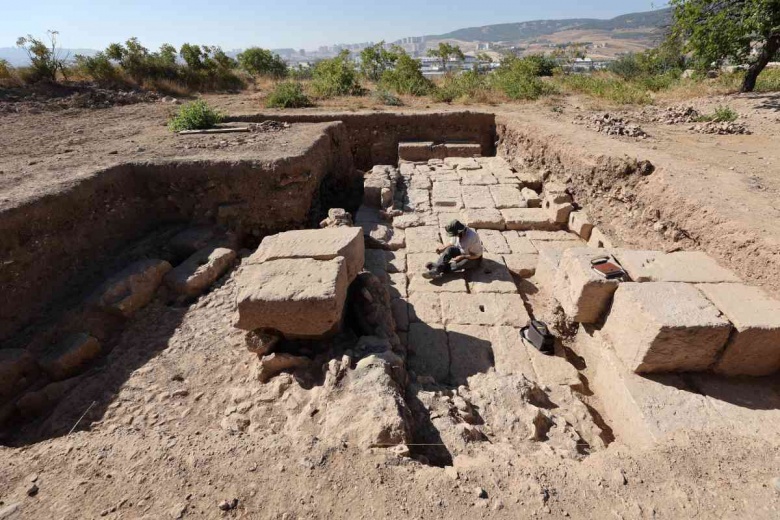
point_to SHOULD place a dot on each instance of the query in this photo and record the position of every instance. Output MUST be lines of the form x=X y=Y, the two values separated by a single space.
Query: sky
x=235 y=24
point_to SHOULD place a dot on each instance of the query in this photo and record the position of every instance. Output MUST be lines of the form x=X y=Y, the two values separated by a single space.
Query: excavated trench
x=57 y=250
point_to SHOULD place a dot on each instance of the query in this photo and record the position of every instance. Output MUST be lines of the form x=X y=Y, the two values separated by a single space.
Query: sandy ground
x=153 y=441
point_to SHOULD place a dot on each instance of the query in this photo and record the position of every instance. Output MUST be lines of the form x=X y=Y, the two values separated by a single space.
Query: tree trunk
x=767 y=53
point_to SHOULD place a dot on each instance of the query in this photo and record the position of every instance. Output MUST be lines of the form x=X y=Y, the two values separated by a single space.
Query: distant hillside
x=517 y=32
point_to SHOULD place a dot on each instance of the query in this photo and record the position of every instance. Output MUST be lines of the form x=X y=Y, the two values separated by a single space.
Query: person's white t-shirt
x=469 y=243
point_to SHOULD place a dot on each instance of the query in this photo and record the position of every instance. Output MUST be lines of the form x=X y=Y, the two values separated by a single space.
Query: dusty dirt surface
x=158 y=437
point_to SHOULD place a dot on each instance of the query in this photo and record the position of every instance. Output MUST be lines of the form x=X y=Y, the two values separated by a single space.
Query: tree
x=445 y=51
x=262 y=62
x=742 y=31
x=406 y=77
x=375 y=60
x=482 y=57
x=45 y=59
x=336 y=77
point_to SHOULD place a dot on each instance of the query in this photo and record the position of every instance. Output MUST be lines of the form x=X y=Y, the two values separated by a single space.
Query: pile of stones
x=724 y=128
x=611 y=125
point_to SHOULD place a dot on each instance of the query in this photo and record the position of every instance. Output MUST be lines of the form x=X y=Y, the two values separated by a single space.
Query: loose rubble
x=611 y=125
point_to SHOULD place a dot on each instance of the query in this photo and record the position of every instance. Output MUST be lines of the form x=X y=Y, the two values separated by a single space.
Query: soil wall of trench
x=56 y=248
x=632 y=196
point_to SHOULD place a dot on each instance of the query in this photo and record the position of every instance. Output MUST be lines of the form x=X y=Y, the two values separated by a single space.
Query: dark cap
x=454 y=228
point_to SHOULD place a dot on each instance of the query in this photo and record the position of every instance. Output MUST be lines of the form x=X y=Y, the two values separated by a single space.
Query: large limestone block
x=70 y=357
x=319 y=244
x=132 y=288
x=665 y=327
x=579 y=223
x=523 y=219
x=509 y=352
x=479 y=177
x=599 y=239
x=547 y=268
x=415 y=151
x=396 y=285
x=483 y=309
x=754 y=349
x=507 y=196
x=483 y=218
x=446 y=193
x=381 y=236
x=519 y=243
x=459 y=149
x=522 y=265
x=430 y=352
x=373 y=186
x=299 y=297
x=532 y=199
x=477 y=197
x=552 y=236
x=422 y=239
x=471 y=351
x=494 y=242
x=425 y=307
x=199 y=271
x=491 y=276
x=451 y=283
x=681 y=266
x=584 y=294
x=642 y=410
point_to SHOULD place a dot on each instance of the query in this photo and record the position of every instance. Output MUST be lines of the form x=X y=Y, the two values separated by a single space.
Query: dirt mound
x=53 y=97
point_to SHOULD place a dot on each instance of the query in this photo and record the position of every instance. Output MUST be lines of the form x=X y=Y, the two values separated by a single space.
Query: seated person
x=465 y=252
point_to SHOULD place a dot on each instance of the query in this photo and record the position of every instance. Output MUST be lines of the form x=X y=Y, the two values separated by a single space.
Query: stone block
x=665 y=327
x=477 y=178
x=70 y=357
x=642 y=410
x=462 y=163
x=532 y=179
x=201 y=270
x=547 y=268
x=552 y=370
x=372 y=189
x=580 y=224
x=532 y=199
x=483 y=309
x=446 y=193
x=492 y=276
x=299 y=297
x=381 y=236
x=400 y=309
x=558 y=245
x=415 y=262
x=418 y=200
x=471 y=352
x=599 y=240
x=494 y=242
x=430 y=354
x=396 y=285
x=507 y=196
x=486 y=218
x=18 y=370
x=519 y=243
x=396 y=261
x=422 y=239
x=132 y=288
x=509 y=352
x=415 y=151
x=462 y=149
x=190 y=240
x=477 y=197
x=682 y=266
x=425 y=307
x=754 y=348
x=523 y=219
x=551 y=236
x=558 y=212
x=584 y=294
x=522 y=265
x=555 y=193
x=319 y=244
x=451 y=283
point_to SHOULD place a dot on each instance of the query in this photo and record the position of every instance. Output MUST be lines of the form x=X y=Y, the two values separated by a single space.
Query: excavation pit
x=438 y=368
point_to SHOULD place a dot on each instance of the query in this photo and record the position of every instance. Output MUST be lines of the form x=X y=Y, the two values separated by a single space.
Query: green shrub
x=45 y=59
x=197 y=115
x=288 y=94
x=406 y=78
x=336 y=77
x=768 y=81
x=540 y=64
x=99 y=68
x=300 y=73
x=375 y=60
x=466 y=85
x=722 y=114
x=262 y=62
x=387 y=98
x=518 y=79
x=5 y=69
x=607 y=86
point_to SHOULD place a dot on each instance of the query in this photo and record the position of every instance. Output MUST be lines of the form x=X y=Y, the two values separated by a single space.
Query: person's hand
x=459 y=258
x=441 y=248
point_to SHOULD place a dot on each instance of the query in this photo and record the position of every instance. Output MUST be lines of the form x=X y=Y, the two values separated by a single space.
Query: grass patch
x=384 y=97
x=722 y=114
x=607 y=86
x=197 y=115
x=288 y=94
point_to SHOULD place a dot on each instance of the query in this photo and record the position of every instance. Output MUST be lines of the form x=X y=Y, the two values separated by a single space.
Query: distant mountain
x=18 y=57
x=517 y=32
